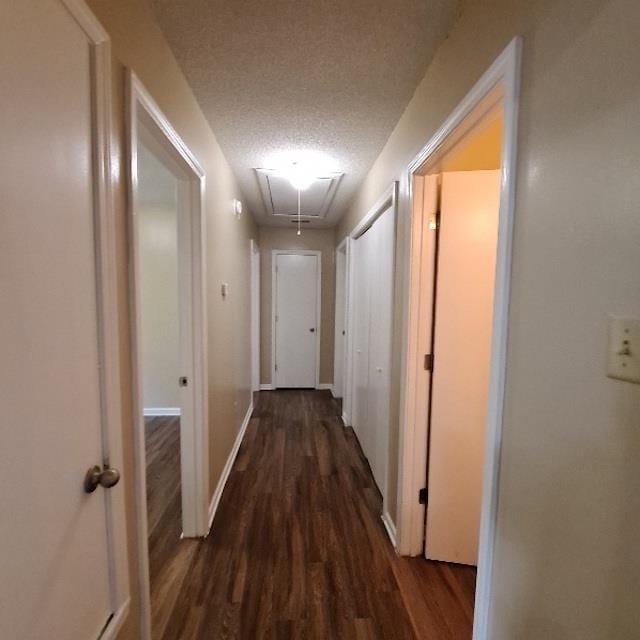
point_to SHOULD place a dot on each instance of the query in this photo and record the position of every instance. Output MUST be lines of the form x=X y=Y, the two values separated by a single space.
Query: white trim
x=503 y=73
x=390 y=527
x=217 y=494
x=116 y=622
x=160 y=411
x=345 y=419
x=325 y=386
x=194 y=449
x=266 y=387
x=108 y=320
x=294 y=252
x=387 y=200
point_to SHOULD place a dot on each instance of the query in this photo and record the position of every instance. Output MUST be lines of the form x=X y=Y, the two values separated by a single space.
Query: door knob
x=312 y=330
x=107 y=477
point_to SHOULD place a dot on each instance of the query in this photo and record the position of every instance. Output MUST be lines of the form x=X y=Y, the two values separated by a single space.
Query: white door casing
x=147 y=124
x=470 y=202
x=296 y=281
x=64 y=572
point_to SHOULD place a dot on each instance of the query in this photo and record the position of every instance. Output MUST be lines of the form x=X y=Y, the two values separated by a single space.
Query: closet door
x=361 y=294
x=382 y=241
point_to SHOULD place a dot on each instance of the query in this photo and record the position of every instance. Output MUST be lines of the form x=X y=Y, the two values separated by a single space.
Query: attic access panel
x=281 y=199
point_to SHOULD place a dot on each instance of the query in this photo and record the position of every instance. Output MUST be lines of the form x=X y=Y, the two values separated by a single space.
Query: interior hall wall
x=138 y=43
x=569 y=505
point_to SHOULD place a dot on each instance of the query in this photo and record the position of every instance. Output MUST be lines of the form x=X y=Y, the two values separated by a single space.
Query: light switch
x=624 y=349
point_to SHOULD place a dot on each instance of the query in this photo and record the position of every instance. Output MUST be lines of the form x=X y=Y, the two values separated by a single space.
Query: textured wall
x=312 y=239
x=566 y=560
x=138 y=43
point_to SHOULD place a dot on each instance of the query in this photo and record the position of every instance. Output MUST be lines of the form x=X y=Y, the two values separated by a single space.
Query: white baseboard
x=161 y=411
x=390 y=527
x=325 y=386
x=266 y=387
x=217 y=494
x=116 y=622
x=345 y=420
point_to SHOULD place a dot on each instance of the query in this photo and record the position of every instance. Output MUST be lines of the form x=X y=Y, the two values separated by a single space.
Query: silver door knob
x=107 y=478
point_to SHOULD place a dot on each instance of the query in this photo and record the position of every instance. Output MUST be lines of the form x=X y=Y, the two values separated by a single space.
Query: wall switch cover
x=624 y=349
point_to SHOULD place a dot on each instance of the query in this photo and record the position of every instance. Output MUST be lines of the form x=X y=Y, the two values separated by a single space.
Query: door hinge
x=183 y=381
x=276 y=367
x=428 y=362
x=423 y=496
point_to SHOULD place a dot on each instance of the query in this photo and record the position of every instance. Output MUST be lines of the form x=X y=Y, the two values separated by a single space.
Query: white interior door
x=55 y=560
x=373 y=272
x=361 y=256
x=340 y=325
x=296 y=319
x=463 y=326
x=381 y=264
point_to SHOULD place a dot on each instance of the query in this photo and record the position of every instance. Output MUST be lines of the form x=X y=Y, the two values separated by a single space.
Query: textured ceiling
x=331 y=77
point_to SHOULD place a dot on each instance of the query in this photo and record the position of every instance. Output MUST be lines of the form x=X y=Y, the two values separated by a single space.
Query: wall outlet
x=624 y=349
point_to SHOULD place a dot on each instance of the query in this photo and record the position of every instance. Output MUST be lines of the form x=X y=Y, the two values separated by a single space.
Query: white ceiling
x=281 y=77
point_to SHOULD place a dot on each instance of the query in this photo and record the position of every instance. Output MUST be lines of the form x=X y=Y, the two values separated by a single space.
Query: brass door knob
x=107 y=478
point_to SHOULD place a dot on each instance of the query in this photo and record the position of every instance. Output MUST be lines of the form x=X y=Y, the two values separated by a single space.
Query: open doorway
x=461 y=192
x=168 y=372
x=461 y=200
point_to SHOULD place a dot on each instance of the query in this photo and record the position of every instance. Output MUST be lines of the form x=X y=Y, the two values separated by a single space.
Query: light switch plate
x=624 y=349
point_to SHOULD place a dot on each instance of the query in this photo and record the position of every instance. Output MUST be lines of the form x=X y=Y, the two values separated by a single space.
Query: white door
x=373 y=271
x=54 y=558
x=361 y=257
x=380 y=325
x=463 y=326
x=340 y=325
x=296 y=313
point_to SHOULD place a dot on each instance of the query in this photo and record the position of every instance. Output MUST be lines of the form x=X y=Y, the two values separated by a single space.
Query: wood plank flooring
x=297 y=549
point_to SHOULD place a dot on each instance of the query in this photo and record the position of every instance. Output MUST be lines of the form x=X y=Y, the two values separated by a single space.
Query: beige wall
x=566 y=566
x=157 y=216
x=138 y=43
x=311 y=239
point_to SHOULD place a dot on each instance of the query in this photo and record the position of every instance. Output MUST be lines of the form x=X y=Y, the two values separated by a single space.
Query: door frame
x=503 y=76
x=254 y=252
x=294 y=252
x=107 y=305
x=194 y=440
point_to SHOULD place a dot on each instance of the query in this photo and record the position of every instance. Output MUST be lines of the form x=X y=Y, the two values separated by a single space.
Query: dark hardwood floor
x=297 y=549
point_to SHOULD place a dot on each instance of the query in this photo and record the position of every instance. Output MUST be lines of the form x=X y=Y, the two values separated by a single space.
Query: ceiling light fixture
x=300 y=177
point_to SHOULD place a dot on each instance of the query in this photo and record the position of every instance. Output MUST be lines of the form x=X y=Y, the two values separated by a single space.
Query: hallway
x=298 y=549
